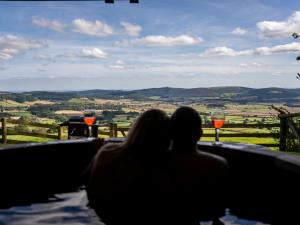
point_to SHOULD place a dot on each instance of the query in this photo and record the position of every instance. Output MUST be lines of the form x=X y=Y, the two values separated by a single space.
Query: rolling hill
x=205 y=95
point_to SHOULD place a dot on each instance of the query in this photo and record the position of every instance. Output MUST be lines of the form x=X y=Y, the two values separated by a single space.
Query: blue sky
x=190 y=43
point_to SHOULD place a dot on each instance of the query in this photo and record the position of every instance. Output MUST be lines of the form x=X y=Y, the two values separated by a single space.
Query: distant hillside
x=205 y=95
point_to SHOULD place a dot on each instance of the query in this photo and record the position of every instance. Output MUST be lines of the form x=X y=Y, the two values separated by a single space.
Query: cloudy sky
x=175 y=43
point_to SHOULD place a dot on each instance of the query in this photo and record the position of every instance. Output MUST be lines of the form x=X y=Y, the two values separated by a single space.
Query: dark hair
x=186 y=126
x=149 y=134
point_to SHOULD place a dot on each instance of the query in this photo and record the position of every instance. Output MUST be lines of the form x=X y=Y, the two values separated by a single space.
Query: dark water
x=72 y=209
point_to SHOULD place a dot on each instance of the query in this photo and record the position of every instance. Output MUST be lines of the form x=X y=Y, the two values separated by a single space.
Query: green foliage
x=45 y=109
x=28 y=138
x=18 y=97
x=293 y=142
x=109 y=115
x=220 y=95
x=203 y=100
x=53 y=96
x=22 y=128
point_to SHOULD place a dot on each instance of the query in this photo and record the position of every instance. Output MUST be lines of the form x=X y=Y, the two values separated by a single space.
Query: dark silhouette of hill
x=205 y=95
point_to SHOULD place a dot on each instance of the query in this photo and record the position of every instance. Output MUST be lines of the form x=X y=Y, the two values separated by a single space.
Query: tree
x=295 y=36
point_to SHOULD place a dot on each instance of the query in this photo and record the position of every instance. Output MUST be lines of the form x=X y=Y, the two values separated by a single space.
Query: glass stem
x=90 y=131
x=217 y=134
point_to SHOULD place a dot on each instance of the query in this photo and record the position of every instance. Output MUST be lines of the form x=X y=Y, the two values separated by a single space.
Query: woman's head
x=150 y=133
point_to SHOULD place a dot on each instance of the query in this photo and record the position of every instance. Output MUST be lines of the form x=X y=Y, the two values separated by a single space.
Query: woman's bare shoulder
x=110 y=147
x=106 y=151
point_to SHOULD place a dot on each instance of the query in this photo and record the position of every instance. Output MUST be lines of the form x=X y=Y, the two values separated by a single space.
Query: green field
x=235 y=114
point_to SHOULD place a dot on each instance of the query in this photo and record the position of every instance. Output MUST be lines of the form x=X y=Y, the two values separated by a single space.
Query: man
x=199 y=178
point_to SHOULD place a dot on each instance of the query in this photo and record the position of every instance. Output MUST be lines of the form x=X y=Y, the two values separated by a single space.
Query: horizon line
x=93 y=89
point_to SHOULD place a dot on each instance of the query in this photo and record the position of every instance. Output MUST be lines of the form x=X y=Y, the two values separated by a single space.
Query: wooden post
x=123 y=133
x=111 y=130
x=283 y=133
x=60 y=132
x=115 y=130
x=4 y=131
x=95 y=131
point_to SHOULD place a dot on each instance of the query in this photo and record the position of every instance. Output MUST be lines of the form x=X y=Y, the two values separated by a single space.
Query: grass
x=28 y=138
x=19 y=113
x=124 y=124
x=47 y=121
x=129 y=105
x=40 y=102
x=154 y=97
x=248 y=140
x=251 y=140
x=11 y=103
x=81 y=100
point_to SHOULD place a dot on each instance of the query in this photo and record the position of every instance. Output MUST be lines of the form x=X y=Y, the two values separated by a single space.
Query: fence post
x=4 y=131
x=115 y=130
x=111 y=130
x=60 y=132
x=283 y=133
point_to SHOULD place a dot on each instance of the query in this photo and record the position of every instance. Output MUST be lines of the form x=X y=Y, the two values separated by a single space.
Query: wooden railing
x=7 y=130
x=288 y=129
x=113 y=130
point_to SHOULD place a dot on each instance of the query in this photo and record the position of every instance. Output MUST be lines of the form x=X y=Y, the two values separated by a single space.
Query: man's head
x=186 y=126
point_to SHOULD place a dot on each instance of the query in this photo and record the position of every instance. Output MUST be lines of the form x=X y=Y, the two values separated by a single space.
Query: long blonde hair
x=150 y=134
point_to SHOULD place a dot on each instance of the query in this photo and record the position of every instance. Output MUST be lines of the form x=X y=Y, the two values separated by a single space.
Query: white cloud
x=239 y=31
x=42 y=57
x=225 y=51
x=287 y=48
x=277 y=29
x=256 y=64
x=131 y=29
x=94 y=53
x=163 y=41
x=97 y=28
x=10 y=46
x=51 y=24
x=119 y=67
x=253 y=64
x=119 y=64
x=45 y=57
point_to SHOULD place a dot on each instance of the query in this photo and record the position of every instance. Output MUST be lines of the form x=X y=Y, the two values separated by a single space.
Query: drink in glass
x=89 y=118
x=218 y=123
x=218 y=120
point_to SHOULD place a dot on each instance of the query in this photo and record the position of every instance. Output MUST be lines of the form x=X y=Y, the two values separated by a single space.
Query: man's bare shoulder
x=216 y=162
x=198 y=162
x=210 y=156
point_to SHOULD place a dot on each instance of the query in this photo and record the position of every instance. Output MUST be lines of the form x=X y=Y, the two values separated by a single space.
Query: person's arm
x=213 y=181
x=95 y=148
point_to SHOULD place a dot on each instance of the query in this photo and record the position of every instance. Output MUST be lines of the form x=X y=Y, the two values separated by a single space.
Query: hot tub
x=42 y=183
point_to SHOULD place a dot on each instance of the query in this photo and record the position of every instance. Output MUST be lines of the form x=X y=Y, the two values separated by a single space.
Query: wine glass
x=218 y=120
x=89 y=118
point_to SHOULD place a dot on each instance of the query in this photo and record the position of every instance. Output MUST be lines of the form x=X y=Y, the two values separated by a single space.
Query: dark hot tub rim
x=264 y=184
